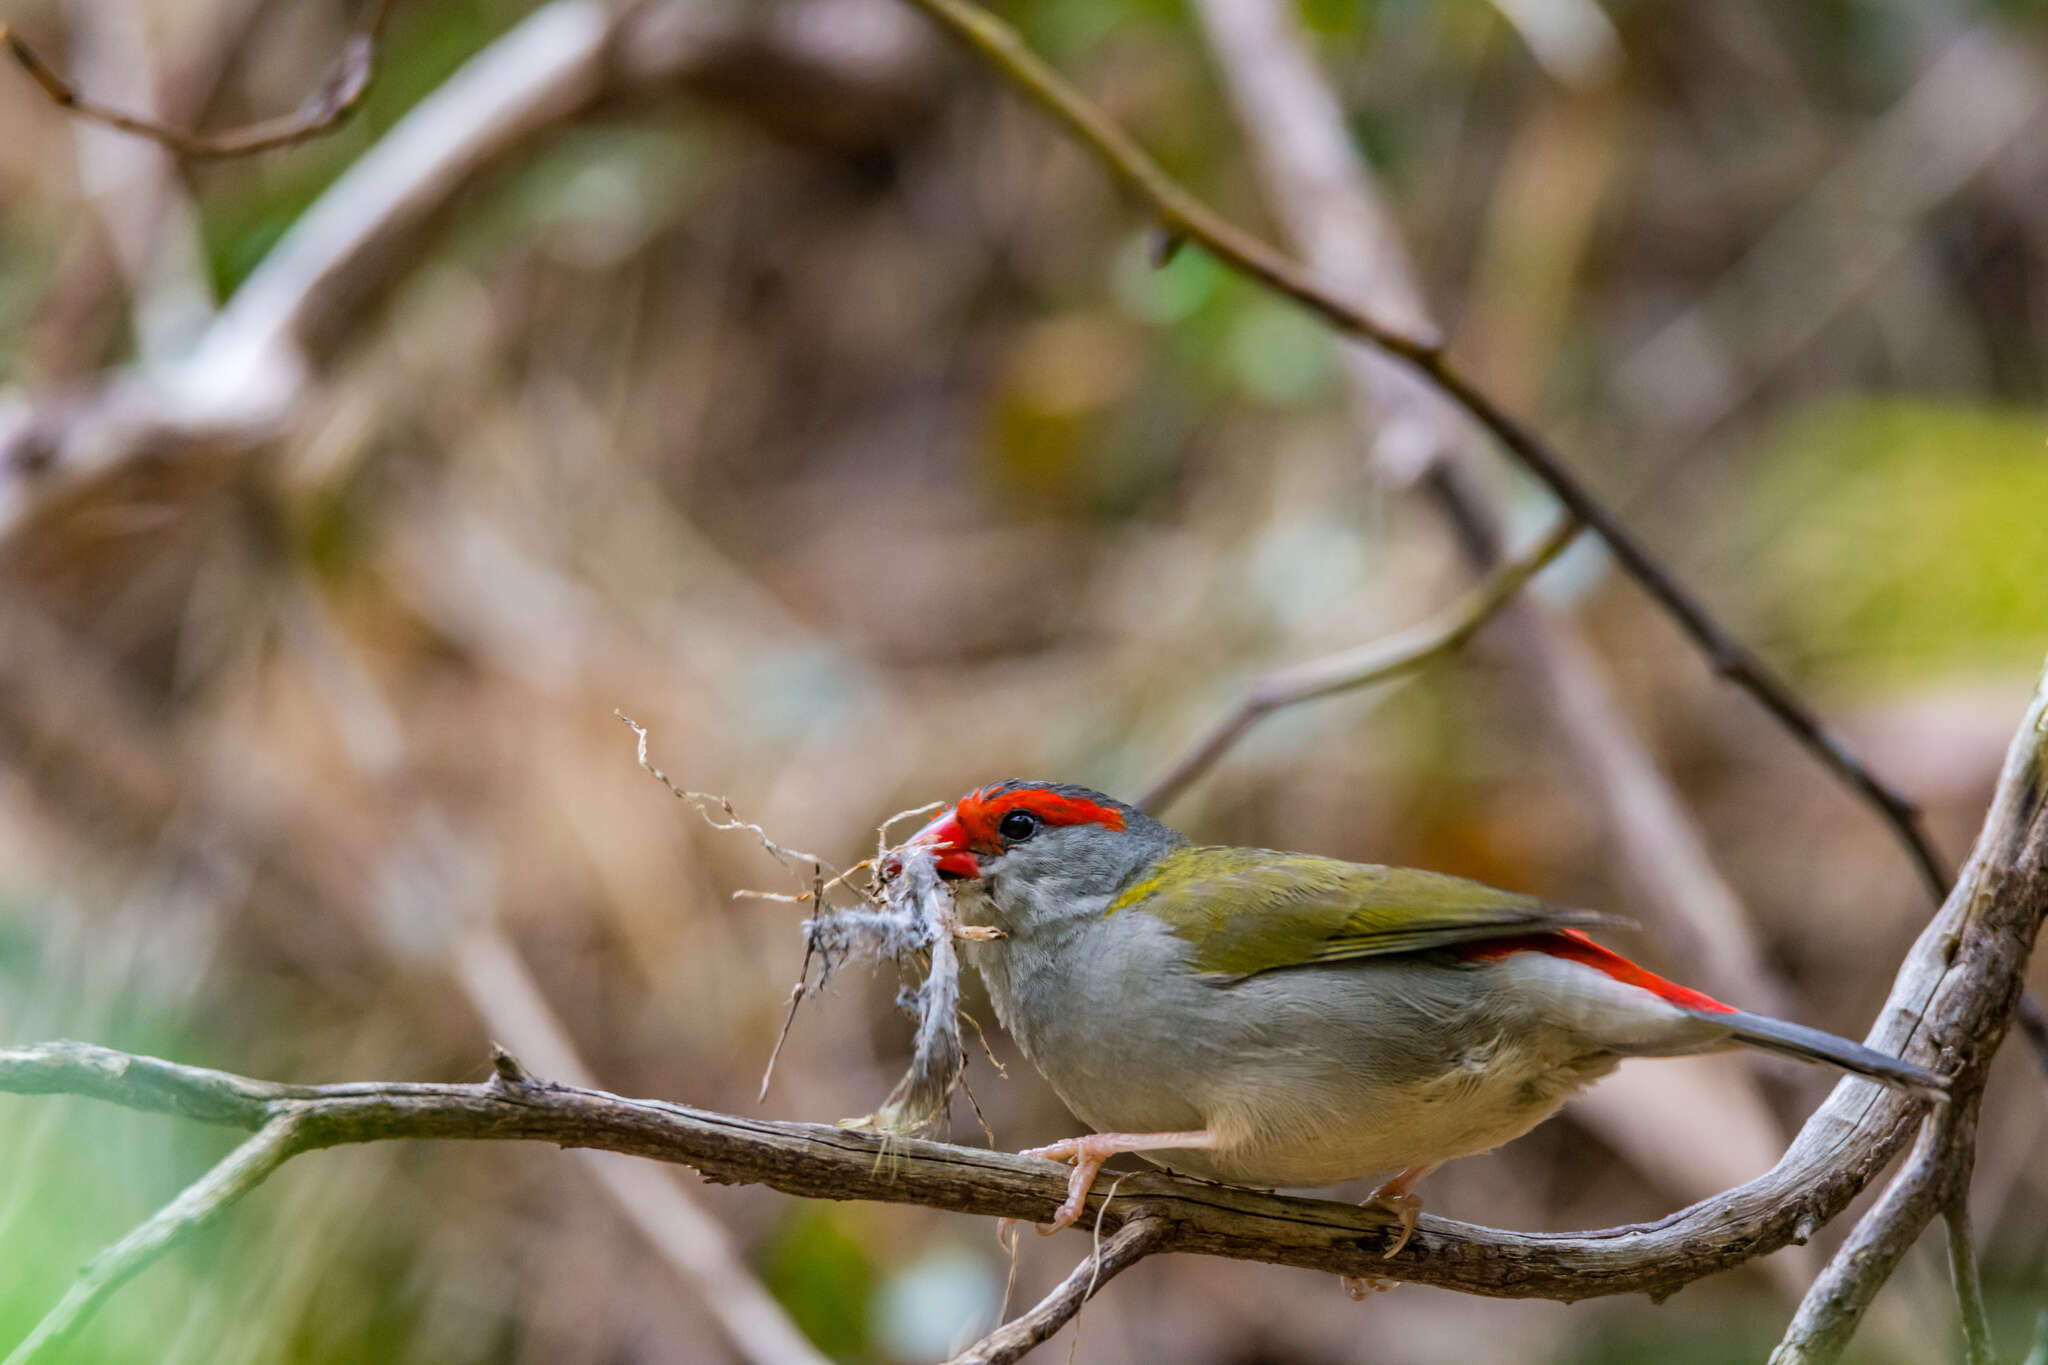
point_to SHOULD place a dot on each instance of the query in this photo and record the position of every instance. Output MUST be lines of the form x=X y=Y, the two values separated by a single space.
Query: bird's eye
x=1017 y=826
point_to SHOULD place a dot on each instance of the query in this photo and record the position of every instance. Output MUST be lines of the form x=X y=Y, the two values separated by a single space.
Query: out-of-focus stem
x=1365 y=665
x=1185 y=216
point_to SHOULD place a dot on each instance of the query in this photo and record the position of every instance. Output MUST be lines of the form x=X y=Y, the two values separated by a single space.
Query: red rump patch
x=1574 y=946
x=980 y=812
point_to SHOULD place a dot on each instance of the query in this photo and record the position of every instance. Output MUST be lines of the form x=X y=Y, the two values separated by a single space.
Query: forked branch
x=1950 y=1006
x=1138 y=1238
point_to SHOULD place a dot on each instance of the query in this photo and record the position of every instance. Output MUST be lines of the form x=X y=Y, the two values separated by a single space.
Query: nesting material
x=910 y=921
x=905 y=916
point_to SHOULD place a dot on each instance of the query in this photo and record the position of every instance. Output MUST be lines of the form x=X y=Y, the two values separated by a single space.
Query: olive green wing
x=1247 y=911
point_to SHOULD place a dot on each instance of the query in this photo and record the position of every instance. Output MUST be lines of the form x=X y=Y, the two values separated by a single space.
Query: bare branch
x=1936 y=1177
x=250 y=373
x=1953 y=999
x=1834 y=1306
x=340 y=91
x=147 y=1083
x=1184 y=216
x=1376 y=662
x=822 y=1161
x=241 y=1171
x=1962 y=1264
x=1135 y=1240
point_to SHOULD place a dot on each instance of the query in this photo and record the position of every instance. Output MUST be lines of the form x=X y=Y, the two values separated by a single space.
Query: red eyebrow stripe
x=1574 y=946
x=979 y=813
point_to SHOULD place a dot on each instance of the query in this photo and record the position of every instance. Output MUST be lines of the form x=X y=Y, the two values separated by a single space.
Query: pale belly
x=1307 y=1078
x=1276 y=1141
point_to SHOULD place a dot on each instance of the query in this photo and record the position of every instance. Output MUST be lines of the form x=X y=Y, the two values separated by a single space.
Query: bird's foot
x=1396 y=1197
x=1088 y=1153
x=1363 y=1287
x=1404 y=1206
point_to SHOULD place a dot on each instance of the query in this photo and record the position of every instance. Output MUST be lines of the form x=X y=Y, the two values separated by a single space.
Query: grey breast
x=1106 y=1011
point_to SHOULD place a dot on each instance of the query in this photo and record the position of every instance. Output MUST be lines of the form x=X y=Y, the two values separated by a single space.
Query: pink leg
x=1089 y=1152
x=1395 y=1196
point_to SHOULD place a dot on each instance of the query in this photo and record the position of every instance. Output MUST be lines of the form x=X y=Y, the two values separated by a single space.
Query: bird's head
x=1042 y=850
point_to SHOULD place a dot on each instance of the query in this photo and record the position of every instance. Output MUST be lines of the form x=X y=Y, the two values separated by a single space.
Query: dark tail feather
x=1812 y=1045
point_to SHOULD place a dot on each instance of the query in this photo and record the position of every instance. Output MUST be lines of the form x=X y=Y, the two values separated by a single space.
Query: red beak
x=945 y=837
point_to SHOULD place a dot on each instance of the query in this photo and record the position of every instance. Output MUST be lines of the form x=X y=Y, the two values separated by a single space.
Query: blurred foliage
x=867 y=467
x=98 y=1171
x=824 y=1274
x=1901 y=540
x=249 y=204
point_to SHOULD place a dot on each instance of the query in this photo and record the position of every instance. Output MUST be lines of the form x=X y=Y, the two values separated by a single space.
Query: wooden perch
x=1950 y=1006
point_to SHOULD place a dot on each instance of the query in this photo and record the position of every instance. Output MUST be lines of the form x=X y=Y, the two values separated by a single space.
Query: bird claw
x=1405 y=1206
x=1086 y=1164
x=1006 y=1233
x=1089 y=1152
x=1362 y=1287
x=1006 y=1228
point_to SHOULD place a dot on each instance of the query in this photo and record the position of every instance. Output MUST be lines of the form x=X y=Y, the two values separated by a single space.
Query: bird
x=1289 y=1021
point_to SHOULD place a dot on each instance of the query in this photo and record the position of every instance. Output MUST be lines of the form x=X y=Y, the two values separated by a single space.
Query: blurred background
x=771 y=373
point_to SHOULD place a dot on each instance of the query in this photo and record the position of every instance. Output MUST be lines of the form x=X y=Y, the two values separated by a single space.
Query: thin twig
x=337 y=96
x=1379 y=661
x=205 y=1199
x=708 y=802
x=1727 y=656
x=796 y=997
x=1133 y=1242
x=1832 y=1309
x=986 y=1050
x=1962 y=1265
x=882 y=830
x=972 y=1103
x=1184 y=216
